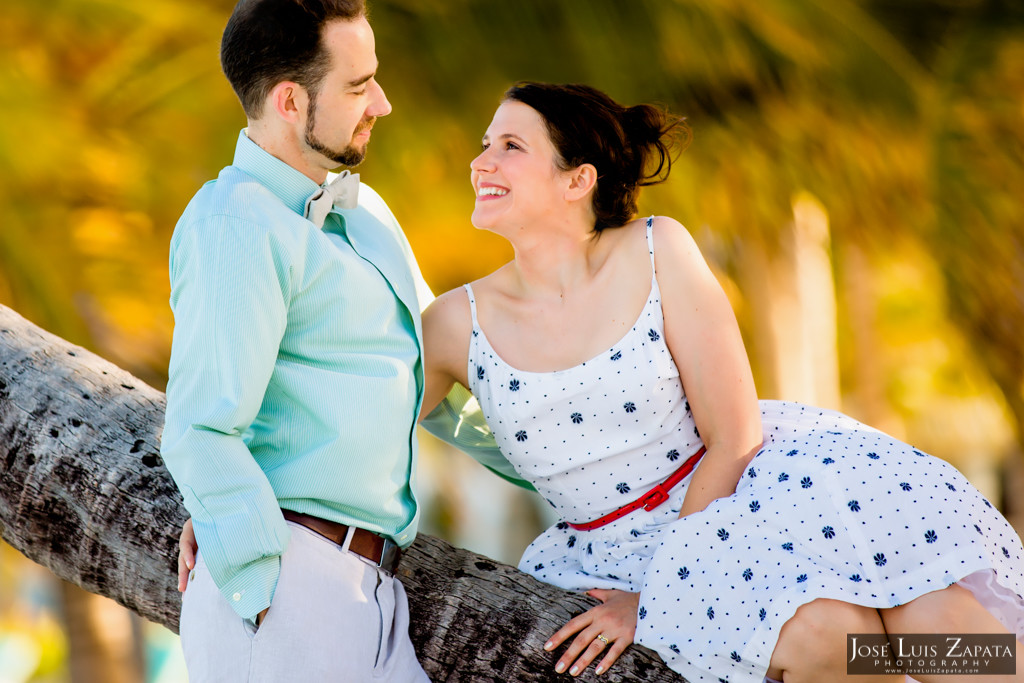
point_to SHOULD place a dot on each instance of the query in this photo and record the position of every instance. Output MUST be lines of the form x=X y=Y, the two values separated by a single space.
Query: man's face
x=349 y=99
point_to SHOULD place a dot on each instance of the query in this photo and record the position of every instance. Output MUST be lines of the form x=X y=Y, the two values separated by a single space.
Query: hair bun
x=642 y=124
x=629 y=146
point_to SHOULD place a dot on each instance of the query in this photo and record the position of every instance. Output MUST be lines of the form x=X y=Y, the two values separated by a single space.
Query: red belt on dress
x=650 y=500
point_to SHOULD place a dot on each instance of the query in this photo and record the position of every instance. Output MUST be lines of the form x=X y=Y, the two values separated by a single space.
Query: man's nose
x=380 y=105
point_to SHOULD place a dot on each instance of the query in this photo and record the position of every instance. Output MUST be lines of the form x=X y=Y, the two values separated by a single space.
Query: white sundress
x=829 y=507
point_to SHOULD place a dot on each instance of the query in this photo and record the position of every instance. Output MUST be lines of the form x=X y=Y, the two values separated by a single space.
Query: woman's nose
x=481 y=163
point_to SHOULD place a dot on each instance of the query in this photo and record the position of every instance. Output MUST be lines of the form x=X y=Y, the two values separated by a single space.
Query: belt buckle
x=388 y=556
x=654 y=498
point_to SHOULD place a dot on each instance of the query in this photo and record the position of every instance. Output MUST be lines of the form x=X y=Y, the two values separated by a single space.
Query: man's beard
x=349 y=155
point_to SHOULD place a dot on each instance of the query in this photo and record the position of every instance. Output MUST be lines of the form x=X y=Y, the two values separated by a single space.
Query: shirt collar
x=290 y=185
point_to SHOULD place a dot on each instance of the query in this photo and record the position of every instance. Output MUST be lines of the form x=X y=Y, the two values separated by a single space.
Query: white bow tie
x=342 y=192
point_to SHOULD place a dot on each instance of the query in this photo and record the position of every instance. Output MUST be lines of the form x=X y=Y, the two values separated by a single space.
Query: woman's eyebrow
x=507 y=136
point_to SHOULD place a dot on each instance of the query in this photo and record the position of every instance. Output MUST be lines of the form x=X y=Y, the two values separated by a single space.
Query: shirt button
x=236 y=597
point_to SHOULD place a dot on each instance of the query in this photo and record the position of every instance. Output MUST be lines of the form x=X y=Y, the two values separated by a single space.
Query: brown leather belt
x=381 y=551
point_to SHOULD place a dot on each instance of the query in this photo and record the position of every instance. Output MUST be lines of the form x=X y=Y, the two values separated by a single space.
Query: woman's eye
x=484 y=146
x=511 y=145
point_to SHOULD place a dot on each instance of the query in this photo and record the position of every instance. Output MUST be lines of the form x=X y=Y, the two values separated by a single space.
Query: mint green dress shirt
x=295 y=378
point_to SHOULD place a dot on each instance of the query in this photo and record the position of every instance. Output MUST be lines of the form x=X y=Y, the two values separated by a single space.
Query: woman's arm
x=705 y=342
x=447 y=326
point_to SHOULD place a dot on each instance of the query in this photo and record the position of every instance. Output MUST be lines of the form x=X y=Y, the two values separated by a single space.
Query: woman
x=724 y=534
x=759 y=551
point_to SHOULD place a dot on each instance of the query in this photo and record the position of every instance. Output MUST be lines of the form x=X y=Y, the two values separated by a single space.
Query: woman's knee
x=833 y=618
x=813 y=642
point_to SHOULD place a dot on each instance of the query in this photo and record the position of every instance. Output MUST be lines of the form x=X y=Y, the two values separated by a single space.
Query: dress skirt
x=828 y=508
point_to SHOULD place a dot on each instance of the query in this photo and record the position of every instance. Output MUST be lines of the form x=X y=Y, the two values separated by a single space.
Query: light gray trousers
x=334 y=617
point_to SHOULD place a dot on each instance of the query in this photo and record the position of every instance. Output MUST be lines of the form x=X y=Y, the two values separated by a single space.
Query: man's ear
x=582 y=180
x=288 y=101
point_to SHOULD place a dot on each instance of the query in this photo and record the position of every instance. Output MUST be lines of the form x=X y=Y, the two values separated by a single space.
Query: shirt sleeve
x=230 y=287
x=458 y=420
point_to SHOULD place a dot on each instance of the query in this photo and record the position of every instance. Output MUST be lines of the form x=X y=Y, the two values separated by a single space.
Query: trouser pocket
x=380 y=625
x=214 y=640
x=385 y=598
x=325 y=622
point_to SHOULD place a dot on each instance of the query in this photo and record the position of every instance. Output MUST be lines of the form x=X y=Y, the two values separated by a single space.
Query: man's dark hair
x=270 y=41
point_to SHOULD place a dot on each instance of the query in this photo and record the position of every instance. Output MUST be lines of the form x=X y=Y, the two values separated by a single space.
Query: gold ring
x=600 y=636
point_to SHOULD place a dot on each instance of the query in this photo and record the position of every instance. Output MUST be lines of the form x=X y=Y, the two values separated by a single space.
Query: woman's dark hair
x=629 y=146
x=270 y=41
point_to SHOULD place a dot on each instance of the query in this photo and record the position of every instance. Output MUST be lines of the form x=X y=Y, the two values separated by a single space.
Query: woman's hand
x=615 y=623
x=187 y=547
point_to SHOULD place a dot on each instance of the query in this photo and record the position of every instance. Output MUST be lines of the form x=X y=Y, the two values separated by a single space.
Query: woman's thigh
x=952 y=610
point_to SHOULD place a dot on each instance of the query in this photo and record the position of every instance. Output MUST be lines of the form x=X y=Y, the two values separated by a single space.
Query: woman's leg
x=950 y=610
x=812 y=644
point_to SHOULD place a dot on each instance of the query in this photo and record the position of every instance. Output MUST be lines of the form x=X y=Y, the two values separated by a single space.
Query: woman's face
x=515 y=177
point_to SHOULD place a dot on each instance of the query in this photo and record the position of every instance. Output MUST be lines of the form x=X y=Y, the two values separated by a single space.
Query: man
x=295 y=377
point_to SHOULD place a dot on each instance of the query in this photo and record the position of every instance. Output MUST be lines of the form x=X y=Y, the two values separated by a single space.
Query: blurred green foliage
x=904 y=118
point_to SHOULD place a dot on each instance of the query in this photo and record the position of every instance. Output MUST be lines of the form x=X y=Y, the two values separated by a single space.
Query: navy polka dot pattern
x=828 y=508
x=588 y=436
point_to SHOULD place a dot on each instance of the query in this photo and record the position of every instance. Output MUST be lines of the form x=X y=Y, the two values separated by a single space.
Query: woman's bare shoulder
x=448 y=312
x=670 y=230
x=665 y=229
x=447 y=326
x=673 y=244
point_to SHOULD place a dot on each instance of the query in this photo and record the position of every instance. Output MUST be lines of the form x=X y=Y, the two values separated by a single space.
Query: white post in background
x=803 y=309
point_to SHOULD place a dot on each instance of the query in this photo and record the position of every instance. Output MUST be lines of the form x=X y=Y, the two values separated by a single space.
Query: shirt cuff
x=252 y=590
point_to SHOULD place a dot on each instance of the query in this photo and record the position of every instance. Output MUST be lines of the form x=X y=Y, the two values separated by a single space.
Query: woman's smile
x=490 y=191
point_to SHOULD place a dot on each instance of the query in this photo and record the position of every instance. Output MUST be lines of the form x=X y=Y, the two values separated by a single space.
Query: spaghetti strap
x=472 y=303
x=650 y=240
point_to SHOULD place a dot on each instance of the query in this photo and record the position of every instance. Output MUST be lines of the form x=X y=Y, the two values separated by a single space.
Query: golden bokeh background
x=855 y=179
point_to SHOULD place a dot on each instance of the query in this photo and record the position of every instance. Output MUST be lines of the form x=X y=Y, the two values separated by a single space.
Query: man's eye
x=359 y=92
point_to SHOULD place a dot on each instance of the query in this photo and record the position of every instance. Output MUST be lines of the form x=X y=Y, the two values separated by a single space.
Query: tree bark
x=84 y=492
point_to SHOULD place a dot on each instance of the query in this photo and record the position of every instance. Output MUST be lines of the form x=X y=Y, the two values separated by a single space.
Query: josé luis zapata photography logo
x=963 y=654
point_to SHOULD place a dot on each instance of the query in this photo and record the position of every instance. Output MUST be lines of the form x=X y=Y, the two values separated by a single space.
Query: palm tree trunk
x=84 y=492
